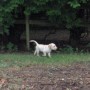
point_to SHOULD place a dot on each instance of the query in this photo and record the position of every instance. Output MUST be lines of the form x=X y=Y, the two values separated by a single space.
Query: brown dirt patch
x=70 y=77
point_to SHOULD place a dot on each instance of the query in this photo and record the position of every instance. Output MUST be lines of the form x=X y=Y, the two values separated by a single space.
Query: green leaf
x=74 y=4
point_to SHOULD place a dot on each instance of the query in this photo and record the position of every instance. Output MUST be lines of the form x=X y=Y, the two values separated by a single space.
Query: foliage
x=67 y=49
x=59 y=11
x=6 y=16
x=11 y=47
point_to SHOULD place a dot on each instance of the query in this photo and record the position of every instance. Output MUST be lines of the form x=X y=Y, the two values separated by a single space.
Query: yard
x=24 y=71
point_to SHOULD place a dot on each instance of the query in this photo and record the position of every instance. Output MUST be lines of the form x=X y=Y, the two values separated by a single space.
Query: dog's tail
x=34 y=41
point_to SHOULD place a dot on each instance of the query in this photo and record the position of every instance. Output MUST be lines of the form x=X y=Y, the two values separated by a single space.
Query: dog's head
x=52 y=46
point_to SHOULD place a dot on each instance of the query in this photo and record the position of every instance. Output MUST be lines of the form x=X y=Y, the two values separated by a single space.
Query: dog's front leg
x=49 y=54
x=44 y=53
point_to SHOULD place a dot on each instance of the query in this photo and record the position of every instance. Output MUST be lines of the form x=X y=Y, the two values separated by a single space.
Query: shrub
x=11 y=47
x=67 y=49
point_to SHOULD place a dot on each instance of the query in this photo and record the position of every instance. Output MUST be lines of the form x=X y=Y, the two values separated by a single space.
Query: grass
x=17 y=59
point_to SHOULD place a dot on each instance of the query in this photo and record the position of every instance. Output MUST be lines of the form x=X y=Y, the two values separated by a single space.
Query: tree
x=59 y=12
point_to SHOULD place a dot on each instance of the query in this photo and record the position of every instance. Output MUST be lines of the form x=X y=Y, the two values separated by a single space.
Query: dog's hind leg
x=35 y=52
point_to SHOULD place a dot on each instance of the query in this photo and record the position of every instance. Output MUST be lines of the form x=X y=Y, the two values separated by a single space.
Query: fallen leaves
x=2 y=82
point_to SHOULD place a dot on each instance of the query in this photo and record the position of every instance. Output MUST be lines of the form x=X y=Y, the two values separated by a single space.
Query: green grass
x=10 y=60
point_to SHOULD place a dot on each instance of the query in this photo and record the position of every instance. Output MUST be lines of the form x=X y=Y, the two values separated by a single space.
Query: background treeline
x=73 y=15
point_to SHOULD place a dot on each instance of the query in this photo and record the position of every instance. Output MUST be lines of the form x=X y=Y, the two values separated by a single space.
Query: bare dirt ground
x=66 y=77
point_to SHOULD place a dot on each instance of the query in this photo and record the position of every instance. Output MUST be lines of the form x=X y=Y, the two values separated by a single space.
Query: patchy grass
x=17 y=59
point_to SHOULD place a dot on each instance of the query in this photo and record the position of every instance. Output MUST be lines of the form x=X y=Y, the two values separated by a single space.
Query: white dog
x=45 y=49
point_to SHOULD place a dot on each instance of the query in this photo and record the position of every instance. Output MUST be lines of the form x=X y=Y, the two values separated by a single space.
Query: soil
x=64 y=77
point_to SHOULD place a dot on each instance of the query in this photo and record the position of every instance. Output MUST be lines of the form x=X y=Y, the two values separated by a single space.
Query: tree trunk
x=27 y=32
x=74 y=39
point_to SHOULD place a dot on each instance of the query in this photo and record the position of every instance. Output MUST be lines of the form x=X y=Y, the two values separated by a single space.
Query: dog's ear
x=50 y=46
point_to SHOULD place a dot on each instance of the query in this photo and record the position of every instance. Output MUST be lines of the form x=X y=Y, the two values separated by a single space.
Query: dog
x=45 y=49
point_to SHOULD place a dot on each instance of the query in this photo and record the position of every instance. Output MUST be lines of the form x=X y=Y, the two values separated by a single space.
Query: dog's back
x=43 y=48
